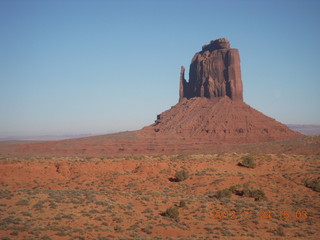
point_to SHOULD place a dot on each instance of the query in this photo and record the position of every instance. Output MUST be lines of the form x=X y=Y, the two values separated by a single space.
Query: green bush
x=248 y=161
x=314 y=184
x=233 y=189
x=182 y=203
x=172 y=212
x=246 y=192
x=257 y=194
x=23 y=202
x=181 y=175
x=225 y=193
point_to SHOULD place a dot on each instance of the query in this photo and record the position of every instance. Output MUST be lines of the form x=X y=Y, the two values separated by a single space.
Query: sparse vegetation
x=147 y=229
x=182 y=204
x=225 y=193
x=248 y=161
x=278 y=231
x=23 y=202
x=257 y=194
x=314 y=184
x=181 y=175
x=172 y=212
x=133 y=201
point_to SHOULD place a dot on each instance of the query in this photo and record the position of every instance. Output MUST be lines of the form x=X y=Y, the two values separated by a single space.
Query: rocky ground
x=268 y=196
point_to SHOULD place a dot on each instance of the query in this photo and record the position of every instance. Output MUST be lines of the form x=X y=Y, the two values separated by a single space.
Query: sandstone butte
x=210 y=113
x=211 y=103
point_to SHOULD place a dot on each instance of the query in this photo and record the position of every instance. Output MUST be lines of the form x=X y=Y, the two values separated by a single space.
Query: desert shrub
x=233 y=189
x=172 y=212
x=147 y=210
x=118 y=228
x=245 y=192
x=5 y=194
x=14 y=233
x=298 y=234
x=278 y=231
x=225 y=193
x=177 y=157
x=147 y=229
x=11 y=220
x=248 y=161
x=257 y=194
x=209 y=229
x=27 y=214
x=182 y=203
x=181 y=175
x=314 y=184
x=23 y=202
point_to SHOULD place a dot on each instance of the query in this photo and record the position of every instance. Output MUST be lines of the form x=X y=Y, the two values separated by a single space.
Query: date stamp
x=262 y=214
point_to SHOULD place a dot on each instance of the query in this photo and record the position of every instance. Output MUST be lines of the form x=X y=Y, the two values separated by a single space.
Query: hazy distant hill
x=305 y=129
x=43 y=138
x=21 y=139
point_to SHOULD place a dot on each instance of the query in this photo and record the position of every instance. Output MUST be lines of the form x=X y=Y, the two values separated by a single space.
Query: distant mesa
x=214 y=72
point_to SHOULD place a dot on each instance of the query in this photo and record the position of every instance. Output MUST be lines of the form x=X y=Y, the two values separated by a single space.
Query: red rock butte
x=214 y=72
x=211 y=104
x=210 y=113
x=219 y=120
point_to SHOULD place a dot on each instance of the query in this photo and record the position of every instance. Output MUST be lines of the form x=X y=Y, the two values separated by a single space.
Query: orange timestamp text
x=262 y=214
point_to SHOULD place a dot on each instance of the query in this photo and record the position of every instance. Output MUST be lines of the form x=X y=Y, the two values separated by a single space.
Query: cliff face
x=211 y=105
x=214 y=72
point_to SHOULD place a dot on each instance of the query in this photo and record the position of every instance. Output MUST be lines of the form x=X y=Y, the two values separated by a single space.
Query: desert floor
x=127 y=197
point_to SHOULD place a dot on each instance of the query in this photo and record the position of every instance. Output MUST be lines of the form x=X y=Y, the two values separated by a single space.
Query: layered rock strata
x=214 y=72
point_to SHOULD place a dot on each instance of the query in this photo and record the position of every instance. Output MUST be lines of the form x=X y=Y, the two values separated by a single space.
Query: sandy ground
x=126 y=197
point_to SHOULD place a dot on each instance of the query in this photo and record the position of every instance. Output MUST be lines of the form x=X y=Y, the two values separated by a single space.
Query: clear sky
x=72 y=67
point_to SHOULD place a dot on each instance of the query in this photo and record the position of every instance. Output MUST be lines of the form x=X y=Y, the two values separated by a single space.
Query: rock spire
x=214 y=72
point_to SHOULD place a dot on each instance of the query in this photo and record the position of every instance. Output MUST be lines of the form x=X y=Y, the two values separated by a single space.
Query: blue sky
x=72 y=67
